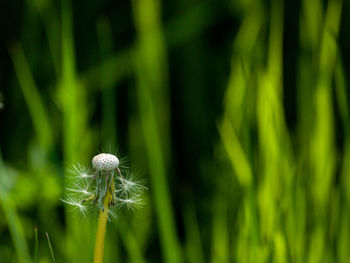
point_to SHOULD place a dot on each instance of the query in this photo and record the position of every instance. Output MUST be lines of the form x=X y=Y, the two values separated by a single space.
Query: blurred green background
x=236 y=112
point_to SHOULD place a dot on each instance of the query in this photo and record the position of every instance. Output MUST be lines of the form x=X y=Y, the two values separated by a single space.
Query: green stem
x=101 y=227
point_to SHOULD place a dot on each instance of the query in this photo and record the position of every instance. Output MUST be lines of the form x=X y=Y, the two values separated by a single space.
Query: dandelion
x=103 y=187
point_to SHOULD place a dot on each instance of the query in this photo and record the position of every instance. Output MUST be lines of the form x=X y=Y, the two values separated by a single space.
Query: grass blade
x=51 y=250
x=36 y=249
x=32 y=96
x=151 y=74
x=12 y=218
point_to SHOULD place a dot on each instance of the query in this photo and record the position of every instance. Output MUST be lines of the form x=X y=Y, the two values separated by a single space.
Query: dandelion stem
x=101 y=226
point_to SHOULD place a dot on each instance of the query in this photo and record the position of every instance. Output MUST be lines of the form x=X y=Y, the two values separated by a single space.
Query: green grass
x=248 y=183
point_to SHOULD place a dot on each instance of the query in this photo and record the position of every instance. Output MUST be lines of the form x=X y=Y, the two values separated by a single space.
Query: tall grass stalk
x=151 y=76
x=77 y=139
x=35 y=103
x=130 y=241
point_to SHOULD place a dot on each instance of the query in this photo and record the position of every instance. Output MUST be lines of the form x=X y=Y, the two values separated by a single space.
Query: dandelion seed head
x=88 y=187
x=105 y=162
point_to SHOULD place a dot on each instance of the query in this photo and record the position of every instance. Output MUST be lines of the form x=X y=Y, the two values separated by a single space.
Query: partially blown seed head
x=89 y=187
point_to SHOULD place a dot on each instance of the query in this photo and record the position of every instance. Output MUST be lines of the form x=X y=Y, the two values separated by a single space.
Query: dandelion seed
x=81 y=171
x=81 y=191
x=130 y=185
x=76 y=206
x=130 y=203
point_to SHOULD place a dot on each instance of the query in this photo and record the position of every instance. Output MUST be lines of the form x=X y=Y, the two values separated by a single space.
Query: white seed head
x=105 y=162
